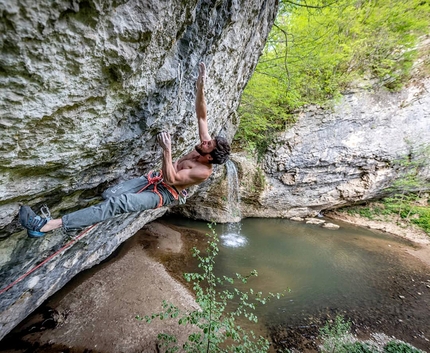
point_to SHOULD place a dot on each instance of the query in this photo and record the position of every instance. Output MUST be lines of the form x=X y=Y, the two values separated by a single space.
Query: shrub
x=399 y=347
x=215 y=320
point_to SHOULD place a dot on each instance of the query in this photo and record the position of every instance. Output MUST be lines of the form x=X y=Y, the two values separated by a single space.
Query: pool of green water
x=365 y=276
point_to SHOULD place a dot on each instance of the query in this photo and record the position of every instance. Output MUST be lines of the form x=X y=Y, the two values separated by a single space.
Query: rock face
x=85 y=86
x=333 y=158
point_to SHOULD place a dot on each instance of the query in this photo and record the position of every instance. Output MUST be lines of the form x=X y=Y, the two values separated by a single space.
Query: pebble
x=401 y=297
x=330 y=226
x=314 y=221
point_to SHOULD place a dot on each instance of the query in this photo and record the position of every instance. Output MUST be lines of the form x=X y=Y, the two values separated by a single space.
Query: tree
x=318 y=48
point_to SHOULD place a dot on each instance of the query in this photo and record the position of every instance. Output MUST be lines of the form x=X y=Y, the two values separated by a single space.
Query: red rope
x=47 y=259
x=152 y=180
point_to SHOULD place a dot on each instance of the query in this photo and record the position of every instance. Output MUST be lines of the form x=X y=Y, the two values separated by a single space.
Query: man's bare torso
x=189 y=161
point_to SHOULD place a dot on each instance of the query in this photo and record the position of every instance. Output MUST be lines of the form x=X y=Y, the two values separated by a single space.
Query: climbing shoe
x=32 y=222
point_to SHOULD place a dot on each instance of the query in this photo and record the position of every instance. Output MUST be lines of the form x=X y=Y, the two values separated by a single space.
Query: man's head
x=218 y=149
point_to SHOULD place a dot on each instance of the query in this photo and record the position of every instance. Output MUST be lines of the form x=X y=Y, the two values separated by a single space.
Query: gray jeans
x=122 y=198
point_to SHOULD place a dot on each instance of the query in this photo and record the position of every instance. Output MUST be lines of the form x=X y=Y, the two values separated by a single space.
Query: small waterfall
x=233 y=237
x=233 y=195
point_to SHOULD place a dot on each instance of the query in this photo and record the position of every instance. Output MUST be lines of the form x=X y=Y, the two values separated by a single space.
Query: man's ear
x=209 y=157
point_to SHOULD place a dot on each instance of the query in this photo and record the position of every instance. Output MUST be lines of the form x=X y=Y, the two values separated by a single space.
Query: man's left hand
x=164 y=140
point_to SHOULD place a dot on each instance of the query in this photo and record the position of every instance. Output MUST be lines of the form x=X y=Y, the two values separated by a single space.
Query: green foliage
x=337 y=338
x=423 y=219
x=366 y=212
x=317 y=48
x=262 y=111
x=215 y=321
x=336 y=335
x=407 y=199
x=399 y=347
x=409 y=177
x=400 y=205
x=409 y=207
x=407 y=189
x=359 y=347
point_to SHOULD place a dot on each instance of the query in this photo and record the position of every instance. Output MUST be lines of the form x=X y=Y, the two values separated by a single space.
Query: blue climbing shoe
x=32 y=222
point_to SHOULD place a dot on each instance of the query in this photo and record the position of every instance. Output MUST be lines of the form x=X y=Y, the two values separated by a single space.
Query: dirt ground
x=95 y=313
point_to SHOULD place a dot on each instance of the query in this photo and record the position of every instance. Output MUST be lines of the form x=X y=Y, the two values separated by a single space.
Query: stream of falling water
x=231 y=234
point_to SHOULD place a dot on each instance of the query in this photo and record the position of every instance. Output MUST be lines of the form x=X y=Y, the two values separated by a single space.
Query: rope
x=153 y=179
x=79 y=236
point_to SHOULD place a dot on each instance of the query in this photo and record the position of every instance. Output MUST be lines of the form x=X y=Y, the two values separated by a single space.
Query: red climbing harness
x=156 y=178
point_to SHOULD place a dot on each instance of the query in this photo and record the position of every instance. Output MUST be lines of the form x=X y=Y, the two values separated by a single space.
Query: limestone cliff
x=331 y=157
x=85 y=86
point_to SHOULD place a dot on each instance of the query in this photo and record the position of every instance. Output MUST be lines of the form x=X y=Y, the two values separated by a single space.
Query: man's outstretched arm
x=201 y=110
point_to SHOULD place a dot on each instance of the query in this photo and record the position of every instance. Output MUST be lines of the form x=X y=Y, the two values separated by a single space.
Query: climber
x=158 y=188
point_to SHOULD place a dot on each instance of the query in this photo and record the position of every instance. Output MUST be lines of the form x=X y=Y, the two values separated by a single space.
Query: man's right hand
x=201 y=110
x=202 y=76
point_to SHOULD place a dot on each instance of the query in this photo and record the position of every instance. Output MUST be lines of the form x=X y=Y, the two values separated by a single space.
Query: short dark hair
x=221 y=153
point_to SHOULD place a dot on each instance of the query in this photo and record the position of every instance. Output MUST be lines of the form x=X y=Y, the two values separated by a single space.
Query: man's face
x=206 y=147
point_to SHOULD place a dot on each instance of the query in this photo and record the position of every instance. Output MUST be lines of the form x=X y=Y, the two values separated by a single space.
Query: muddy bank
x=96 y=311
x=392 y=225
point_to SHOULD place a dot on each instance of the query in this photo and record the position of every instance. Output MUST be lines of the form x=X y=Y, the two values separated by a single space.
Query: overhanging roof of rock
x=87 y=86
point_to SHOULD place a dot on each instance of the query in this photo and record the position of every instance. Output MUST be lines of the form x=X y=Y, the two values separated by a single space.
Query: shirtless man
x=146 y=192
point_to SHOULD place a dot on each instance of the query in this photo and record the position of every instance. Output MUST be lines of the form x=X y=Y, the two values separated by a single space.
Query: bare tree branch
x=309 y=6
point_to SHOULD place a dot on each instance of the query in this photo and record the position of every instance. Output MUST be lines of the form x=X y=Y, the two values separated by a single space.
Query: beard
x=200 y=151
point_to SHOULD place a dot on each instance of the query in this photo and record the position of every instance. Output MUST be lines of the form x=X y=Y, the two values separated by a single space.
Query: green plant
x=336 y=336
x=366 y=212
x=215 y=320
x=407 y=188
x=359 y=347
x=423 y=219
x=318 y=49
x=399 y=347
